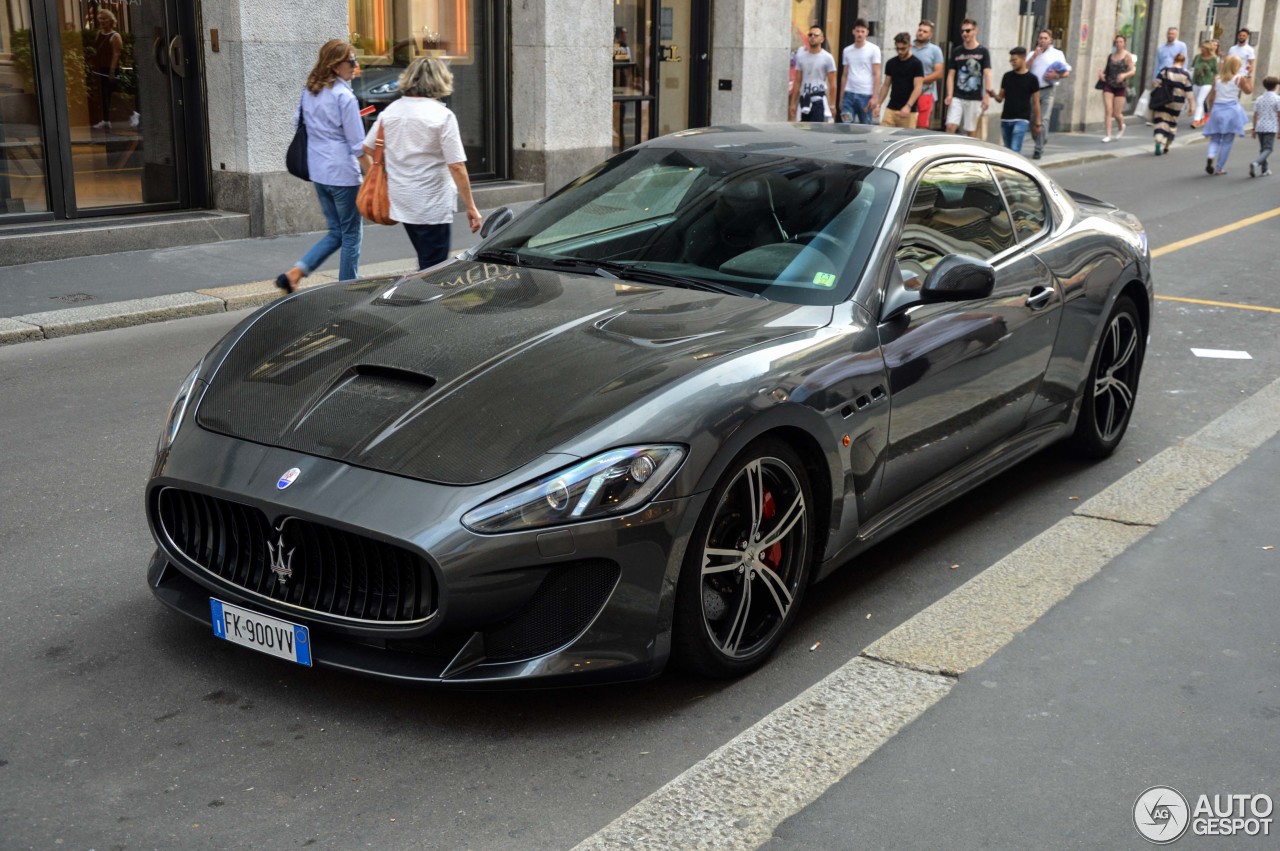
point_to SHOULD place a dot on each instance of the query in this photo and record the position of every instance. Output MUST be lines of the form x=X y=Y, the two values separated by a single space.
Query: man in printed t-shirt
x=968 y=79
x=816 y=69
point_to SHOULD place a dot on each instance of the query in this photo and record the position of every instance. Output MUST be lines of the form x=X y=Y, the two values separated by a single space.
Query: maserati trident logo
x=281 y=562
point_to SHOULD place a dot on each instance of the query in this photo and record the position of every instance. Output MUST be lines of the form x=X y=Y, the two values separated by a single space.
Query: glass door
x=24 y=184
x=661 y=68
x=682 y=65
x=117 y=90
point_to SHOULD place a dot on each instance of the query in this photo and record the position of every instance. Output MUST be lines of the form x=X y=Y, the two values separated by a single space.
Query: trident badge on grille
x=281 y=562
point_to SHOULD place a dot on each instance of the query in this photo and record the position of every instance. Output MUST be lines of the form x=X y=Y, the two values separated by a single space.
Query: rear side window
x=1026 y=202
x=957 y=209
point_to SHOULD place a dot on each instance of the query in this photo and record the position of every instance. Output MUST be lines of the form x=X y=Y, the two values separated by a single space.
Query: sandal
x=282 y=282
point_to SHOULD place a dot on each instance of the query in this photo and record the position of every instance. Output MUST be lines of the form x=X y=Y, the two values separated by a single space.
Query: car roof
x=854 y=144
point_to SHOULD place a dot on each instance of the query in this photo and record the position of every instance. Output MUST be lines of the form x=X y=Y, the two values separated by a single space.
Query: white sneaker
x=1253 y=169
x=1121 y=133
x=1104 y=138
x=134 y=119
x=102 y=125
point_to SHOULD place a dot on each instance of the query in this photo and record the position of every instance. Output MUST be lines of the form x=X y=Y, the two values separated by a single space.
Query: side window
x=957 y=209
x=1026 y=202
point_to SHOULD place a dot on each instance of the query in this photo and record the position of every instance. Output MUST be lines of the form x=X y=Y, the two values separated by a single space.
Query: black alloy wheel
x=747 y=564
x=1113 y=384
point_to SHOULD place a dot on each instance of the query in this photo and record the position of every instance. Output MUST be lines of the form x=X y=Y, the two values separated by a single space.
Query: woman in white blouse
x=425 y=163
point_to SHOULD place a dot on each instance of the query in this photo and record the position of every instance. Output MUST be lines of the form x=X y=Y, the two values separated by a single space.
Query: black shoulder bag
x=295 y=160
x=1162 y=94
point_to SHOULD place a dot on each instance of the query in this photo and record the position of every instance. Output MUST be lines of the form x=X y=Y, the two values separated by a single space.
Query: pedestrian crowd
x=903 y=90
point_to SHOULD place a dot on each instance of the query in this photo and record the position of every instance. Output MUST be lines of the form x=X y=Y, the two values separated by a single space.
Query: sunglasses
x=967 y=30
x=815 y=35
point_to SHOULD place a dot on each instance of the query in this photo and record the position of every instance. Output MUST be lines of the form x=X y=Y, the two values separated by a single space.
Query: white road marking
x=1226 y=354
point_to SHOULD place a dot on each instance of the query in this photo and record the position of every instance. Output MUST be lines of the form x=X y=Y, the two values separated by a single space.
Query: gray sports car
x=636 y=422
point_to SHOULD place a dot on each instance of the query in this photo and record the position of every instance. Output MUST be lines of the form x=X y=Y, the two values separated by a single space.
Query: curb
x=49 y=324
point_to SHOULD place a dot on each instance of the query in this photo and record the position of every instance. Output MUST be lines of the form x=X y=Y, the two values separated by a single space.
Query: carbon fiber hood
x=472 y=371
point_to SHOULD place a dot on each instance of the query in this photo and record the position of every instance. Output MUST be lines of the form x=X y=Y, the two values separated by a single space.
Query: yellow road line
x=1218 y=303
x=1196 y=240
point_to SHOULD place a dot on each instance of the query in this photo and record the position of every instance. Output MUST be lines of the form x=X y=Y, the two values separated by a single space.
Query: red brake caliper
x=773 y=555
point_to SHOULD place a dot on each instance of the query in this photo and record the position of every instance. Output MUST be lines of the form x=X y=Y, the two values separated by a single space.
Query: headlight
x=178 y=409
x=616 y=482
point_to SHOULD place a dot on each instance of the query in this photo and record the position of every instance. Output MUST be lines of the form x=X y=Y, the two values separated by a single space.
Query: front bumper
x=588 y=602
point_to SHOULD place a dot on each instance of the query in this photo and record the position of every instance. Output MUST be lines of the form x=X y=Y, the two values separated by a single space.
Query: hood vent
x=363 y=401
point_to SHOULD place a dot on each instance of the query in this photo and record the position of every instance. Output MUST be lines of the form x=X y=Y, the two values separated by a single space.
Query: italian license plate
x=261 y=632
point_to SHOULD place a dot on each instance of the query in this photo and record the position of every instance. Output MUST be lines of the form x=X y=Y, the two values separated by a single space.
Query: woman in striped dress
x=1178 y=80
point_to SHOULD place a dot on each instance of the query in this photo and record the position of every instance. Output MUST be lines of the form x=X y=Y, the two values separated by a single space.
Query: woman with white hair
x=425 y=163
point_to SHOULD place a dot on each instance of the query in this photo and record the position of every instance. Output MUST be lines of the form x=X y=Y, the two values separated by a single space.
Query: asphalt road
x=125 y=726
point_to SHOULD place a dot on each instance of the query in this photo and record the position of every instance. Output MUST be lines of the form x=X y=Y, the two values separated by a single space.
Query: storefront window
x=389 y=34
x=22 y=156
x=632 y=97
x=1131 y=22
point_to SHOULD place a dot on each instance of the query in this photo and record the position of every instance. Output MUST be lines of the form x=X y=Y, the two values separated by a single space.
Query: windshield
x=755 y=225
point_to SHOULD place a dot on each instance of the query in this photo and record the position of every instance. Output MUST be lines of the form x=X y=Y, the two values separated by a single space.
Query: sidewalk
x=81 y=294
x=1162 y=670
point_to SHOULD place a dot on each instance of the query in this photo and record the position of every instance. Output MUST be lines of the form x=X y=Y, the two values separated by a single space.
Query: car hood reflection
x=472 y=370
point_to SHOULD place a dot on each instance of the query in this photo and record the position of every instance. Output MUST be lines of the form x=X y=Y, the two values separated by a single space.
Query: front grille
x=333 y=572
x=565 y=603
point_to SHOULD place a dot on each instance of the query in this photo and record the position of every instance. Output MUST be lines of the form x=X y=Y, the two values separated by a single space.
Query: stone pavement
x=114 y=290
x=1161 y=670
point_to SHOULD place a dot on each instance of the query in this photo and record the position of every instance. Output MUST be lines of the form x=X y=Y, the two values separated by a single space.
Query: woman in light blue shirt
x=335 y=139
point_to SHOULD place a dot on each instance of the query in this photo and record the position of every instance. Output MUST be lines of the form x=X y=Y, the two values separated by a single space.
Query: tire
x=1112 y=388
x=747 y=564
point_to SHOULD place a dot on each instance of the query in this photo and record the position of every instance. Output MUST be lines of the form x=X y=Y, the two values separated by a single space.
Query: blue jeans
x=1014 y=131
x=338 y=203
x=856 y=105
x=1220 y=148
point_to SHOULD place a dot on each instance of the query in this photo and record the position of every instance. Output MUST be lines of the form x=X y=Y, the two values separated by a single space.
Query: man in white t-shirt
x=1049 y=64
x=861 y=77
x=1244 y=50
x=816 y=70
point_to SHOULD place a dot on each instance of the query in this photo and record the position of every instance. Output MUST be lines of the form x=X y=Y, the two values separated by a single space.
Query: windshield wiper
x=629 y=272
x=499 y=255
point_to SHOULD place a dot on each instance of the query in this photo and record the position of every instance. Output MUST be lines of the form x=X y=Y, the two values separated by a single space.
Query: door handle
x=175 y=56
x=670 y=53
x=1040 y=297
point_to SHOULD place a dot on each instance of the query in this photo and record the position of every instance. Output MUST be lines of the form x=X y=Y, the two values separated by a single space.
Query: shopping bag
x=1140 y=111
x=374 y=200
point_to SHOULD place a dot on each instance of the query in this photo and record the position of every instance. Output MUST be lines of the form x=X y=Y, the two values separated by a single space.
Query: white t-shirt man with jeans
x=861 y=77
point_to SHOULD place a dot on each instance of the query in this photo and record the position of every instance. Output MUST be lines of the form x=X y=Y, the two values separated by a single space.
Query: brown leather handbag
x=373 y=200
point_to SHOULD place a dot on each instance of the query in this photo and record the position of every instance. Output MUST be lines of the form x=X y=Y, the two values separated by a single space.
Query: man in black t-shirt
x=1022 y=90
x=968 y=81
x=903 y=82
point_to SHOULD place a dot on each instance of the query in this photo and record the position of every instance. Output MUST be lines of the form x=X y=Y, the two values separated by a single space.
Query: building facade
x=136 y=123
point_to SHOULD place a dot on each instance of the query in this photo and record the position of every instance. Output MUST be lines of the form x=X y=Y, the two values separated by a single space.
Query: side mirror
x=497 y=220
x=958 y=277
